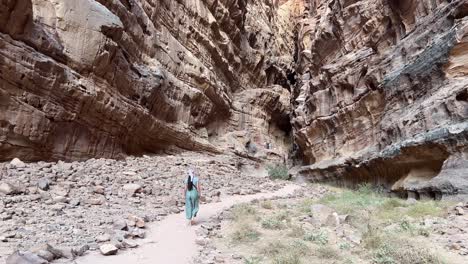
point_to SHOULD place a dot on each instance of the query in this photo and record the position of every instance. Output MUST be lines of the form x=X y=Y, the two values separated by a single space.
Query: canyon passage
x=106 y=103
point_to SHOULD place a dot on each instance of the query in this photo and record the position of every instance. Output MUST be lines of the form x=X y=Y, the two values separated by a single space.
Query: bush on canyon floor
x=328 y=252
x=278 y=172
x=243 y=212
x=384 y=209
x=289 y=253
x=245 y=233
x=319 y=238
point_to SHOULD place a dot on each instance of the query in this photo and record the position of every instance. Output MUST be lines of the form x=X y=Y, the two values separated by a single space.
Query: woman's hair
x=190 y=180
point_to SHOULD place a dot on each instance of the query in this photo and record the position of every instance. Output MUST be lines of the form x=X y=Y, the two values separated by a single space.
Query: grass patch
x=296 y=231
x=272 y=224
x=243 y=211
x=319 y=238
x=328 y=252
x=427 y=208
x=267 y=205
x=404 y=253
x=278 y=172
x=349 y=201
x=390 y=248
x=282 y=253
x=252 y=260
x=244 y=233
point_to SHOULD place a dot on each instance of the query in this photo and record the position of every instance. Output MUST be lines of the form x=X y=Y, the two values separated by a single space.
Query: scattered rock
x=108 y=249
x=17 y=163
x=8 y=189
x=132 y=188
x=103 y=238
x=139 y=222
x=120 y=225
x=43 y=184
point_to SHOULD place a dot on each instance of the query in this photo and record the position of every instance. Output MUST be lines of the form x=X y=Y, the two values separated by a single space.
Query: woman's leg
x=188 y=206
x=195 y=204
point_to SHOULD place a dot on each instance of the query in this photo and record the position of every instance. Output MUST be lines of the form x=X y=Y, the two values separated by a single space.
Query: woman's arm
x=198 y=189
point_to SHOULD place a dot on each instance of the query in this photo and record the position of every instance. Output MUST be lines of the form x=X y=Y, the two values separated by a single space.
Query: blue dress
x=191 y=200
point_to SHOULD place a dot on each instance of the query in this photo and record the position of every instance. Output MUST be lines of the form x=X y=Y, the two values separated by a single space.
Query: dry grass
x=276 y=232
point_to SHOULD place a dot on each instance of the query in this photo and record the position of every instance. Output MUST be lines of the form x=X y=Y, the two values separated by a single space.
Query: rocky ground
x=323 y=225
x=61 y=210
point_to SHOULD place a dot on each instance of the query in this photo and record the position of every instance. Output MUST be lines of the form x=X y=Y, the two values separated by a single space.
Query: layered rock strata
x=81 y=79
x=382 y=95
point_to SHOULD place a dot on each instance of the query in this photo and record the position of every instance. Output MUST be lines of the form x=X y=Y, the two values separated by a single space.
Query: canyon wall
x=107 y=78
x=383 y=94
x=357 y=91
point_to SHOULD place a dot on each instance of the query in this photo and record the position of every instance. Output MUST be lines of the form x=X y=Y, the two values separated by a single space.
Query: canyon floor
x=132 y=210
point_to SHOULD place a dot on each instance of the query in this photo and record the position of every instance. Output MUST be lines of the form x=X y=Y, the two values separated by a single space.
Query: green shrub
x=278 y=172
x=272 y=223
x=267 y=204
x=252 y=260
x=319 y=238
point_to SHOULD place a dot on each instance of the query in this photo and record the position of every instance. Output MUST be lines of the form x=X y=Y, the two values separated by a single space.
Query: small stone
x=43 y=184
x=103 y=238
x=3 y=239
x=139 y=222
x=455 y=246
x=459 y=211
x=80 y=251
x=136 y=232
x=129 y=244
x=17 y=163
x=59 y=199
x=201 y=241
x=99 y=189
x=132 y=188
x=108 y=249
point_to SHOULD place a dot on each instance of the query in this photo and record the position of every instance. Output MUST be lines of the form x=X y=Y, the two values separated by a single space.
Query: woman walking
x=192 y=195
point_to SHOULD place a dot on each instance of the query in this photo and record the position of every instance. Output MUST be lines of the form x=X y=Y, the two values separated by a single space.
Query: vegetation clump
x=278 y=172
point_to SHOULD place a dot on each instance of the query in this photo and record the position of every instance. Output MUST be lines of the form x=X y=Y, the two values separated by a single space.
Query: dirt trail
x=171 y=240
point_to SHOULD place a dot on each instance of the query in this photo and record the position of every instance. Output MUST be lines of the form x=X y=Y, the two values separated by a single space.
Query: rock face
x=357 y=90
x=81 y=79
x=383 y=93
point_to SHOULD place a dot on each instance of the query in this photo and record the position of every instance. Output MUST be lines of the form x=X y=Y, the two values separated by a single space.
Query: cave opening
x=276 y=76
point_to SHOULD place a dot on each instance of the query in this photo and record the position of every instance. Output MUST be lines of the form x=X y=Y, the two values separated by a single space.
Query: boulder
x=321 y=213
x=10 y=189
x=25 y=257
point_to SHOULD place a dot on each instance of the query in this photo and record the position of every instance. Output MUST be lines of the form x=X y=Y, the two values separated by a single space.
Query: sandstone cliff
x=364 y=90
x=383 y=93
x=85 y=78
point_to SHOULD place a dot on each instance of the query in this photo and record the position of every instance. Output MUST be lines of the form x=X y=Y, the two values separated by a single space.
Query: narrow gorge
x=108 y=103
x=353 y=91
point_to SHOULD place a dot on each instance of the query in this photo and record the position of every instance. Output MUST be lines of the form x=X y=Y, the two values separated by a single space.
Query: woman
x=192 y=195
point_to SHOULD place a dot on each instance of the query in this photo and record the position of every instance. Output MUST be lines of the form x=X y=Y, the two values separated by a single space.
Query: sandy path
x=171 y=240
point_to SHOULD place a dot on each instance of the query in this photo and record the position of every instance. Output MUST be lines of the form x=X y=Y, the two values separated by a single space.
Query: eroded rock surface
x=81 y=79
x=382 y=93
